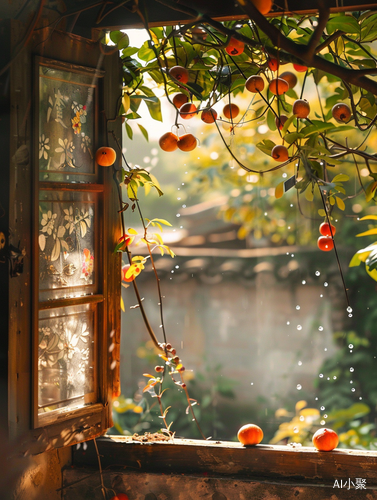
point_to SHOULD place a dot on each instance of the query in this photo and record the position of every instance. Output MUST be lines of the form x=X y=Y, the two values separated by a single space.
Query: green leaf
x=321 y=212
x=309 y=194
x=120 y=38
x=271 y=120
x=341 y=178
x=153 y=107
x=292 y=137
x=143 y=131
x=287 y=124
x=318 y=126
x=343 y=23
x=129 y=131
x=146 y=53
x=266 y=146
x=129 y=51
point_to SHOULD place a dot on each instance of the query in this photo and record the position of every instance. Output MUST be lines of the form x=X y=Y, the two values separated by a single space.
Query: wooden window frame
x=73 y=425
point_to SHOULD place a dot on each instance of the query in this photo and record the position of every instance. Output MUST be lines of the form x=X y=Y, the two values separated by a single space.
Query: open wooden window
x=61 y=370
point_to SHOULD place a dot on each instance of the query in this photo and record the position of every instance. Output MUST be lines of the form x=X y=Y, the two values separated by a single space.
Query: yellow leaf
x=138 y=409
x=300 y=405
x=369 y=217
x=370 y=190
x=310 y=412
x=148 y=375
x=131 y=231
x=242 y=233
x=279 y=190
x=162 y=221
x=367 y=233
x=281 y=412
x=340 y=203
x=126 y=102
x=122 y=305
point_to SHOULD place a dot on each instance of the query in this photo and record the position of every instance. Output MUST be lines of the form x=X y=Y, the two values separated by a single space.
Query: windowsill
x=302 y=465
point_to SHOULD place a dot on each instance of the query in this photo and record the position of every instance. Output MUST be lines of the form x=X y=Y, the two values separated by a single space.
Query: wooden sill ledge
x=219 y=458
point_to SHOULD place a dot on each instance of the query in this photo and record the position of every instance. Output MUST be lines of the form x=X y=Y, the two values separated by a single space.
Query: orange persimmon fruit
x=209 y=115
x=279 y=121
x=327 y=229
x=179 y=73
x=341 y=112
x=120 y=496
x=235 y=47
x=254 y=83
x=278 y=86
x=250 y=434
x=179 y=100
x=105 y=156
x=168 y=142
x=300 y=68
x=290 y=78
x=125 y=268
x=301 y=108
x=231 y=111
x=187 y=142
x=325 y=439
x=187 y=111
x=325 y=243
x=273 y=64
x=280 y=153
x=264 y=6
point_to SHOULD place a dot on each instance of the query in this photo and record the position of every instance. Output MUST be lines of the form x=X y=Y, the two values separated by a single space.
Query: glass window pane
x=66 y=244
x=66 y=124
x=66 y=353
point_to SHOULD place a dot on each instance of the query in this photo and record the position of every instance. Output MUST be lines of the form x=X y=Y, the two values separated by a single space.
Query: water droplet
x=302 y=418
x=334 y=377
x=295 y=429
x=325 y=283
x=172 y=271
x=325 y=416
x=288 y=322
x=178 y=215
x=322 y=422
x=325 y=349
x=292 y=254
x=183 y=206
x=298 y=308
x=321 y=375
x=299 y=387
x=299 y=327
x=328 y=378
x=350 y=315
x=320 y=328
x=360 y=398
x=350 y=346
x=353 y=389
x=349 y=309
x=351 y=350
x=322 y=408
x=352 y=369
x=303 y=282
x=321 y=295
x=351 y=381
x=265 y=213
x=287 y=253
x=291 y=205
x=284 y=175
x=299 y=363
x=317 y=273
x=252 y=383
x=177 y=267
x=316 y=399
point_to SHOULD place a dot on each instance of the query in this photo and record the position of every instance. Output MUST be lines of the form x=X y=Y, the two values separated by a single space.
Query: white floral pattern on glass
x=43 y=146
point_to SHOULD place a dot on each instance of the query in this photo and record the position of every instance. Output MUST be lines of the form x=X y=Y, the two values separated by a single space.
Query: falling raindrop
x=325 y=349
x=317 y=273
x=295 y=429
x=325 y=283
x=292 y=254
x=302 y=418
x=299 y=327
x=325 y=416
x=284 y=175
x=350 y=346
x=351 y=350
x=321 y=295
x=288 y=322
x=252 y=383
x=299 y=387
x=321 y=375
x=360 y=398
x=334 y=377
x=303 y=282
x=353 y=389
x=316 y=399
x=352 y=369
x=298 y=308
x=322 y=422
x=265 y=213
x=178 y=215
x=328 y=378
x=322 y=408
x=351 y=381
x=299 y=363
x=320 y=328
x=177 y=267
x=350 y=315
x=349 y=309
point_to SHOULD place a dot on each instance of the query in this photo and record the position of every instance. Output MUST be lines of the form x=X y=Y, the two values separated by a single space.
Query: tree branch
x=323 y=17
